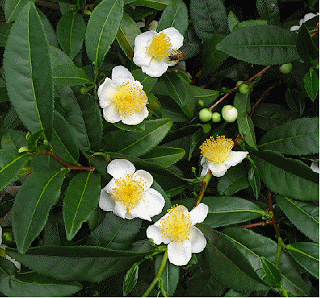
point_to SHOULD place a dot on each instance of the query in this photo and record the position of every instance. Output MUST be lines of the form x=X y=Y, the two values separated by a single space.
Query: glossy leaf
x=272 y=273
x=130 y=279
x=175 y=87
x=32 y=284
x=9 y=172
x=225 y=211
x=32 y=69
x=59 y=57
x=254 y=246
x=311 y=83
x=170 y=275
x=157 y=4
x=147 y=82
x=254 y=179
x=232 y=20
x=30 y=216
x=307 y=255
x=208 y=96
x=245 y=124
x=66 y=74
x=275 y=45
x=209 y=17
x=81 y=198
x=306 y=47
x=164 y=156
x=138 y=143
x=13 y=139
x=234 y=180
x=49 y=30
x=71 y=30
x=126 y=35
x=303 y=215
x=297 y=137
x=286 y=176
x=175 y=15
x=228 y=264
x=89 y=263
x=4 y=33
x=268 y=10
x=13 y=8
x=102 y=29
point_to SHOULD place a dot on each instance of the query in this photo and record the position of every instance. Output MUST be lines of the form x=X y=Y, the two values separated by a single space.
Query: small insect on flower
x=175 y=55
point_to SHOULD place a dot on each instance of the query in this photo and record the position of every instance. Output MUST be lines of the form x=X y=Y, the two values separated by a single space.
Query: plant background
x=262 y=228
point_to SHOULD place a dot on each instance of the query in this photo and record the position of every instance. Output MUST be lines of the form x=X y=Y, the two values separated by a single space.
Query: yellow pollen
x=128 y=191
x=160 y=46
x=176 y=226
x=216 y=150
x=129 y=99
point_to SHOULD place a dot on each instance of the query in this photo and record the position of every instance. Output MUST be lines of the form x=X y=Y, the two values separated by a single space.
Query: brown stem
x=257 y=224
x=273 y=219
x=204 y=183
x=89 y=169
x=258 y=102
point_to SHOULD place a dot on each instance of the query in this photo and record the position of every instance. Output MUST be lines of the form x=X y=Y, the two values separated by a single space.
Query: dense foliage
x=247 y=70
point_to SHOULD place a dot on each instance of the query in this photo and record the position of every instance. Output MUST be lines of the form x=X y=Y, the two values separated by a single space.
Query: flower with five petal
x=128 y=194
x=152 y=50
x=218 y=157
x=177 y=229
x=122 y=98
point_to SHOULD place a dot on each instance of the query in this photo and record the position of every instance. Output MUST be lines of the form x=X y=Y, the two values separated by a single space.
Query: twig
x=205 y=183
x=257 y=224
x=274 y=222
x=258 y=102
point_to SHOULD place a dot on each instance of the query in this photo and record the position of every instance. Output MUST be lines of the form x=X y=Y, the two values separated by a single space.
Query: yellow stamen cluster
x=176 y=225
x=128 y=99
x=160 y=46
x=128 y=191
x=216 y=150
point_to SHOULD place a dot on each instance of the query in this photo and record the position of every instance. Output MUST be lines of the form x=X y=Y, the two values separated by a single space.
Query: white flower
x=218 y=157
x=2 y=252
x=315 y=167
x=122 y=98
x=306 y=18
x=177 y=229
x=152 y=50
x=128 y=194
x=229 y=113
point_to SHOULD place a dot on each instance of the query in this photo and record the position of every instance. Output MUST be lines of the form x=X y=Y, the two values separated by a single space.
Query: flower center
x=177 y=224
x=129 y=99
x=216 y=150
x=128 y=191
x=160 y=46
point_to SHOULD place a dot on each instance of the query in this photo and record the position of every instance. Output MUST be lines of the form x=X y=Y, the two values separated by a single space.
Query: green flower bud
x=285 y=68
x=244 y=89
x=23 y=149
x=200 y=102
x=216 y=117
x=7 y=237
x=239 y=83
x=205 y=115
x=229 y=113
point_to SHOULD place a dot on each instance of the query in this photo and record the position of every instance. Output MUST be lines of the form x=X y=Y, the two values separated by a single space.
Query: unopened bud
x=285 y=68
x=200 y=102
x=229 y=113
x=205 y=115
x=244 y=89
x=216 y=117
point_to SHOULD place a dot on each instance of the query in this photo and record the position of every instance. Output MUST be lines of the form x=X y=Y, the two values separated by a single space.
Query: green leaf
x=164 y=156
x=306 y=47
x=130 y=279
x=209 y=17
x=27 y=60
x=176 y=88
x=175 y=15
x=13 y=8
x=126 y=35
x=268 y=10
x=9 y=172
x=13 y=139
x=71 y=30
x=30 y=216
x=67 y=74
x=7 y=155
x=286 y=176
x=51 y=35
x=311 y=83
x=272 y=273
x=307 y=255
x=58 y=57
x=224 y=211
x=208 y=96
x=157 y=4
x=4 y=33
x=234 y=180
x=81 y=198
x=297 y=137
x=303 y=215
x=32 y=284
x=245 y=124
x=254 y=179
x=170 y=275
x=254 y=246
x=275 y=45
x=89 y=263
x=228 y=264
x=138 y=143
x=115 y=232
x=102 y=29
x=232 y=20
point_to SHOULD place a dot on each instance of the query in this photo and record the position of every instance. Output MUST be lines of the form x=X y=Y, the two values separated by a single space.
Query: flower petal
x=121 y=74
x=0 y=234
x=141 y=42
x=205 y=167
x=235 y=157
x=135 y=118
x=140 y=211
x=120 y=210
x=198 y=241
x=176 y=38
x=217 y=170
x=153 y=201
x=156 y=235
x=179 y=253
x=111 y=114
x=199 y=213
x=105 y=202
x=156 y=68
x=120 y=167
x=145 y=176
